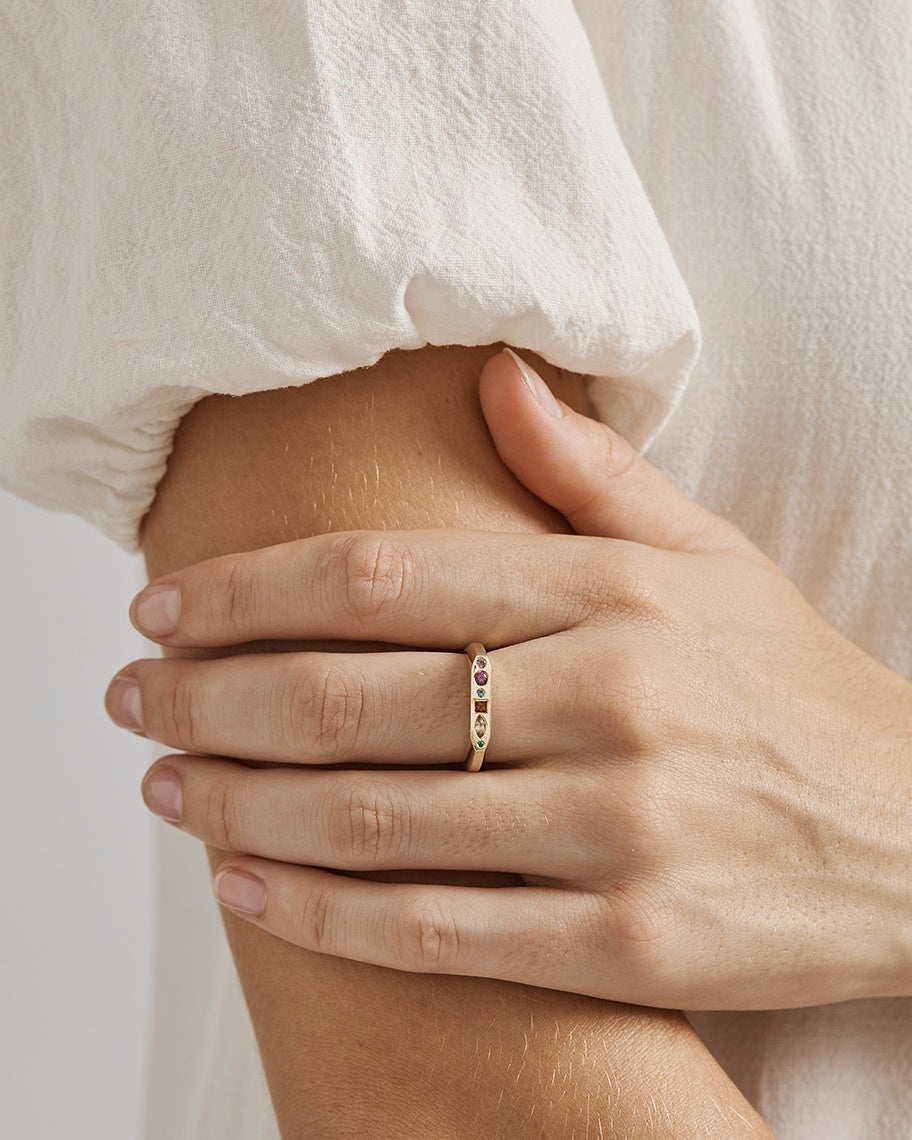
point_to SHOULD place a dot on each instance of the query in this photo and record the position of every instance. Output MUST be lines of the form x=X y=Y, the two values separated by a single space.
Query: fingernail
x=124 y=704
x=537 y=386
x=162 y=793
x=156 y=610
x=240 y=891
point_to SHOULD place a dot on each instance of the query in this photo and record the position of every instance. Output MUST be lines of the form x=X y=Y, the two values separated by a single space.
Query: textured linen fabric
x=237 y=197
x=207 y=196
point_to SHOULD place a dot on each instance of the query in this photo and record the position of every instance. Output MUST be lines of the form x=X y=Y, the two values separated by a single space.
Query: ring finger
x=322 y=708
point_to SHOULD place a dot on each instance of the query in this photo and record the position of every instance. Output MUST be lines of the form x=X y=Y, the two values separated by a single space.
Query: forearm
x=356 y=1049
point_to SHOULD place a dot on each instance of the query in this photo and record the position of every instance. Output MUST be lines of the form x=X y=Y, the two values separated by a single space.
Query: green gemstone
x=479 y=744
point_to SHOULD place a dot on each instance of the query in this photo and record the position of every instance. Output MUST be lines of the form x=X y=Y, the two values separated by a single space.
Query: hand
x=704 y=786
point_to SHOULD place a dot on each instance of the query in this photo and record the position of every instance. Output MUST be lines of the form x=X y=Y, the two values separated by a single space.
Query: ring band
x=479 y=704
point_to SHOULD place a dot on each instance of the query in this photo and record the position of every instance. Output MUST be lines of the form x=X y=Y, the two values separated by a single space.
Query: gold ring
x=479 y=704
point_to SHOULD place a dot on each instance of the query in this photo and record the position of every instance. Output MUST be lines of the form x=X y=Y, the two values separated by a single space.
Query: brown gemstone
x=481 y=706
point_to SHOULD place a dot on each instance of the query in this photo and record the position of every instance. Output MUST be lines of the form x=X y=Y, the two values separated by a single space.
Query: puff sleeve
x=209 y=196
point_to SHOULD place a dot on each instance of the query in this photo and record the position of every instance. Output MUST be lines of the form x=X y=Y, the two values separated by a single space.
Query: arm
x=351 y=1048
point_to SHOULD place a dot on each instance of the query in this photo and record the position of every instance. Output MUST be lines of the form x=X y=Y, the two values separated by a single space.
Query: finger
x=593 y=476
x=434 y=588
x=374 y=708
x=373 y=821
x=533 y=935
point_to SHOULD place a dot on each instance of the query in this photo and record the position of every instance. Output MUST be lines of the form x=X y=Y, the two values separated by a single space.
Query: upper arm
x=350 y=1047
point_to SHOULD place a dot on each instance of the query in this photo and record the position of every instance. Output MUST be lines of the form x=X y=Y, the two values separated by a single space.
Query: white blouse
x=205 y=196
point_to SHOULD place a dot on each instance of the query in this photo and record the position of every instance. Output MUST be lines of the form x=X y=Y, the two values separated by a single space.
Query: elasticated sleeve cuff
x=199 y=196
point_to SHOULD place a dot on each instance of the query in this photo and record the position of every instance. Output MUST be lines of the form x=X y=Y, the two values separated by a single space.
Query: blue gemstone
x=479 y=692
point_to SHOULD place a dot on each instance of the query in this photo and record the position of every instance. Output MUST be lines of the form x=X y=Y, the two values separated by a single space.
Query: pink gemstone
x=482 y=661
x=481 y=677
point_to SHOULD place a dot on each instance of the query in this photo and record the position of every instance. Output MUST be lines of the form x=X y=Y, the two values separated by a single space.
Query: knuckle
x=628 y=706
x=223 y=814
x=618 y=456
x=615 y=459
x=327 y=710
x=635 y=597
x=429 y=938
x=315 y=920
x=634 y=587
x=644 y=700
x=379 y=574
x=632 y=821
x=366 y=827
x=640 y=930
x=584 y=583
x=650 y=820
x=178 y=708
x=235 y=597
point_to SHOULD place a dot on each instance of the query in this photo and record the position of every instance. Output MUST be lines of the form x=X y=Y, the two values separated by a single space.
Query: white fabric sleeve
x=202 y=196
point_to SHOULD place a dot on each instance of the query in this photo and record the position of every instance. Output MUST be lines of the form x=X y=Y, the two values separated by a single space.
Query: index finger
x=435 y=588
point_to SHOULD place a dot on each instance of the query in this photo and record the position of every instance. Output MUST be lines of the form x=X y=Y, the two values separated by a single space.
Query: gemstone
x=481 y=726
x=481 y=677
x=479 y=692
x=479 y=744
x=482 y=661
x=481 y=706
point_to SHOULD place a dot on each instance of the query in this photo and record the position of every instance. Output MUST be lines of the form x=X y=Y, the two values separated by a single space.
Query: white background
x=76 y=883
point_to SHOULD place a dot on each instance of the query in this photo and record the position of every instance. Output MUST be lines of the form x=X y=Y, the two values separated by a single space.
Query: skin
x=688 y=674
x=353 y=1049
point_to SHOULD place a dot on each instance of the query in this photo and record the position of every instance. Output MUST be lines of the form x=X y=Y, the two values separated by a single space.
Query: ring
x=479 y=704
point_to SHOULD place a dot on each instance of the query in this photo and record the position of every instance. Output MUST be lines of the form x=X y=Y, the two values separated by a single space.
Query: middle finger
x=357 y=821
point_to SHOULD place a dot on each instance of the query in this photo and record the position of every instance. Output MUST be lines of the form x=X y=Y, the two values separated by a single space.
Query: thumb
x=589 y=473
